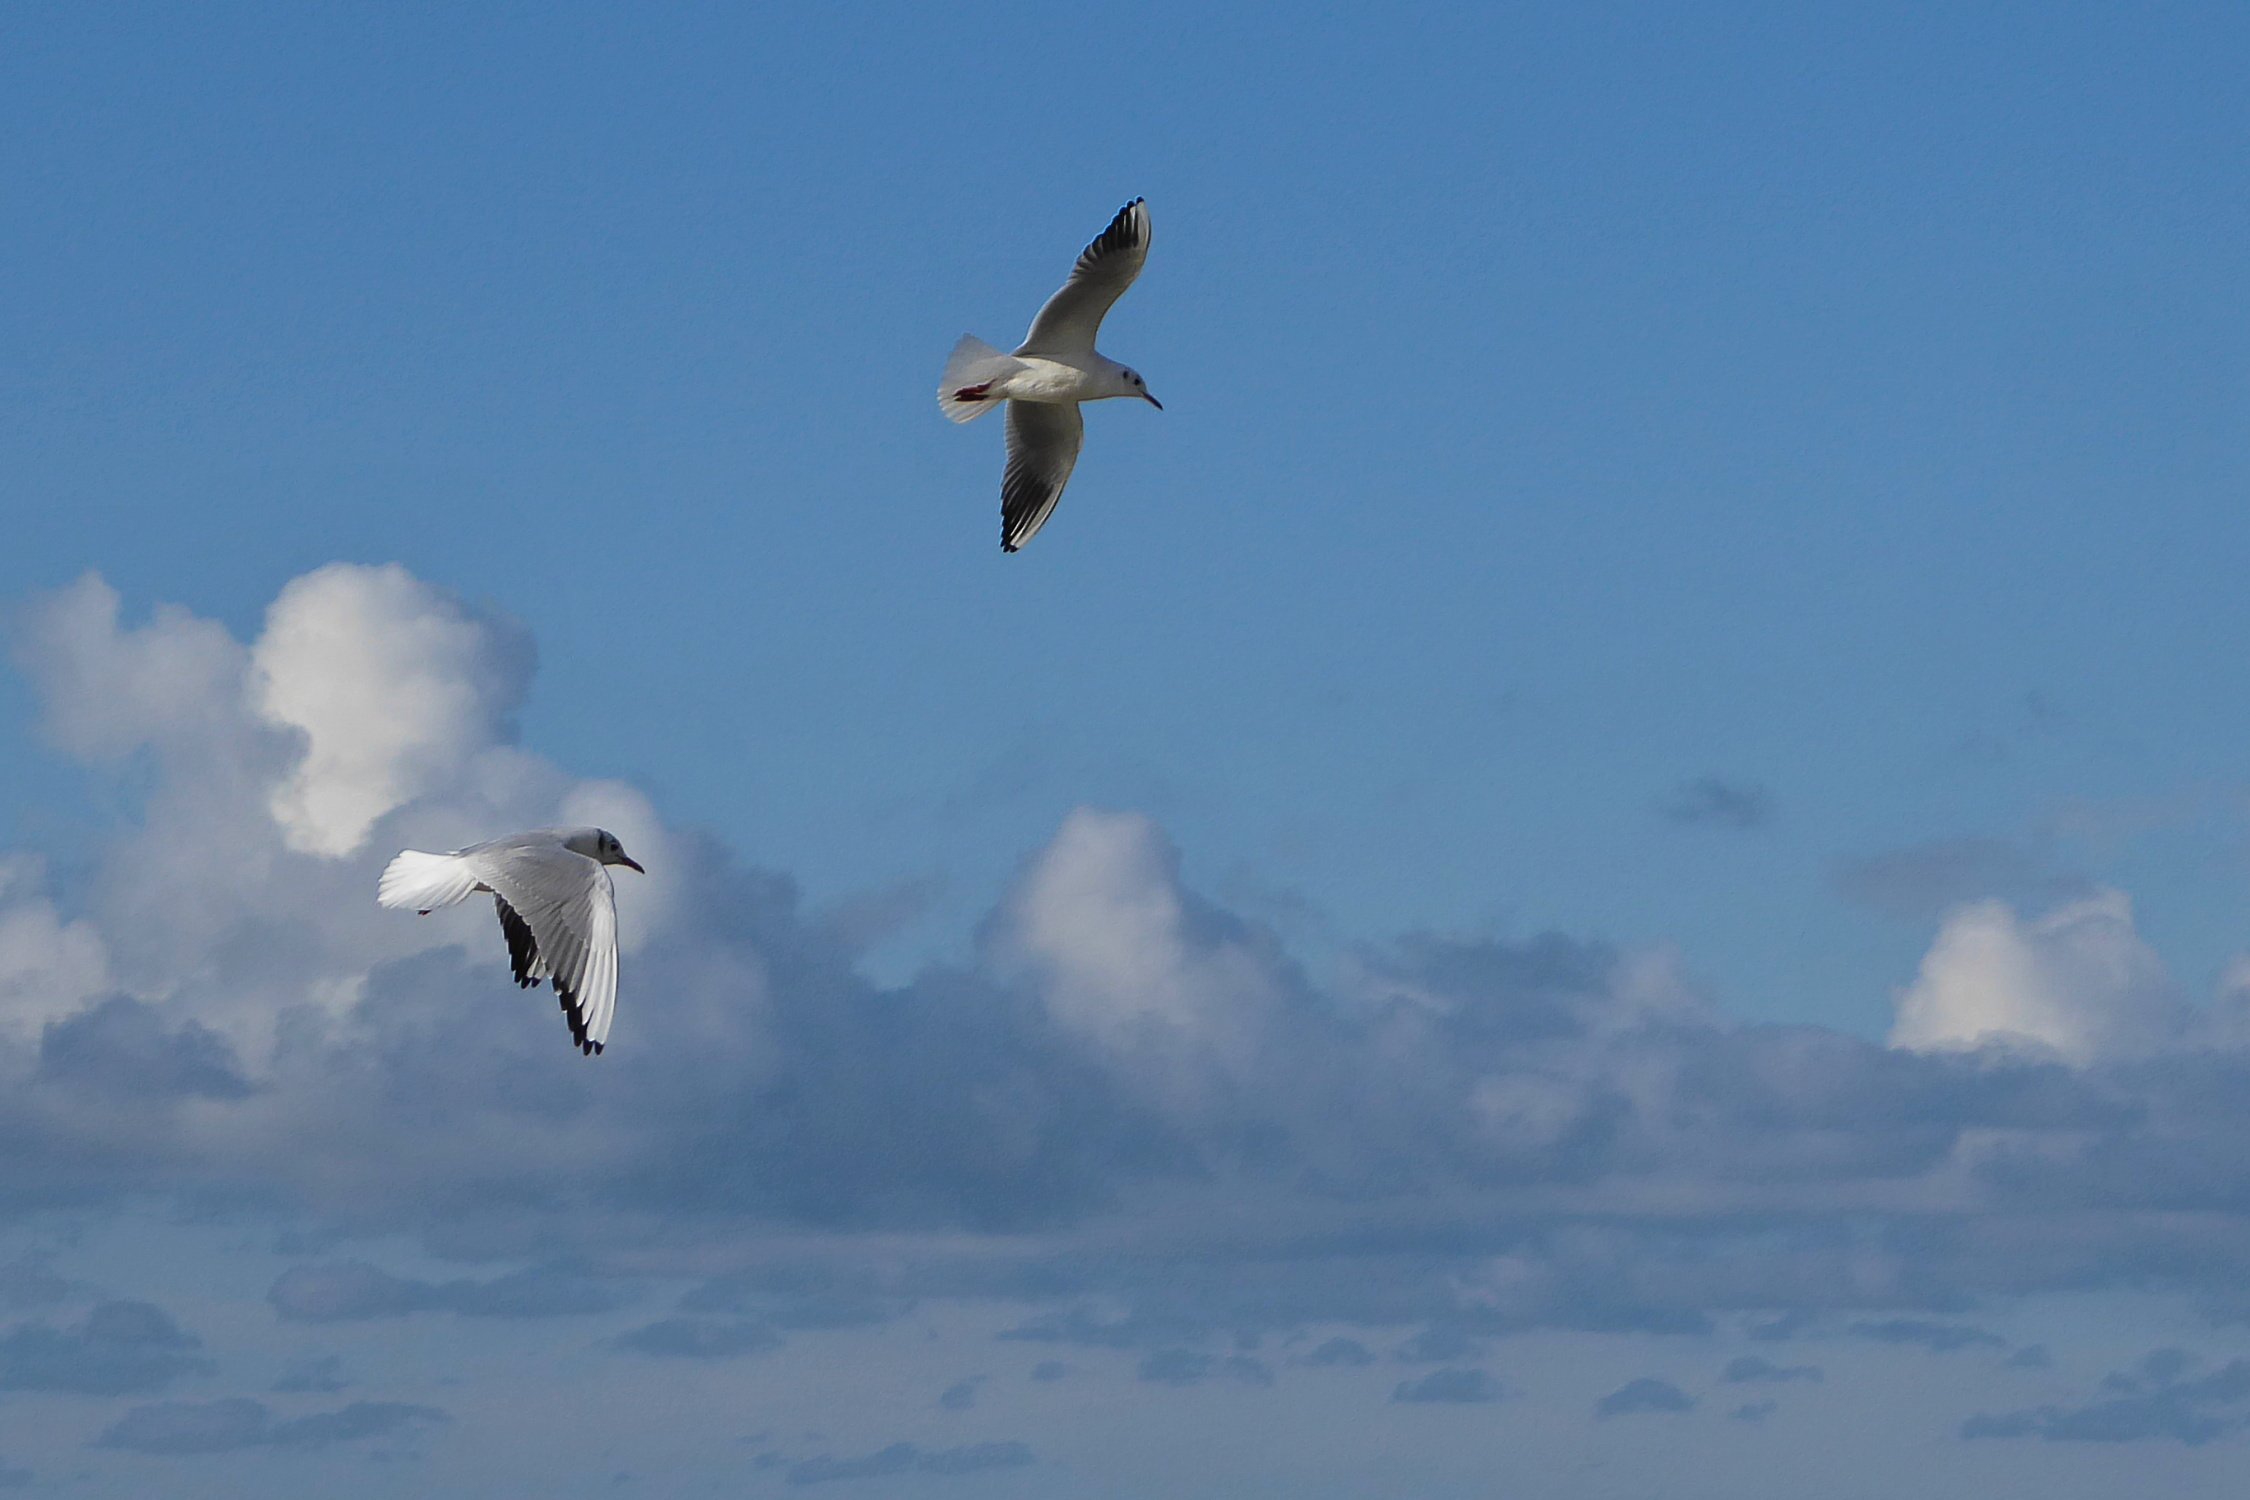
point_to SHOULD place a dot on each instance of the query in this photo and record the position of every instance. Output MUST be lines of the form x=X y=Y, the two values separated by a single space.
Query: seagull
x=557 y=909
x=1056 y=367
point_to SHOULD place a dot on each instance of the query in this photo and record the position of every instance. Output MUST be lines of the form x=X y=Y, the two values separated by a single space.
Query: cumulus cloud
x=110 y=690
x=394 y=687
x=1645 y=1395
x=1126 y=959
x=2078 y=982
x=49 y=965
x=175 y=1428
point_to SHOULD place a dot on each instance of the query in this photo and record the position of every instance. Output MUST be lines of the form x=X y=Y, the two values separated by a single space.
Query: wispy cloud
x=1717 y=802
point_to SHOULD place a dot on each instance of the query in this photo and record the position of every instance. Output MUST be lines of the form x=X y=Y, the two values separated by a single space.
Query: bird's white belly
x=1047 y=380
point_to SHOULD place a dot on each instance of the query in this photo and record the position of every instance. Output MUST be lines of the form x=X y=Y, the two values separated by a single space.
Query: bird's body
x=557 y=910
x=1037 y=377
x=1050 y=374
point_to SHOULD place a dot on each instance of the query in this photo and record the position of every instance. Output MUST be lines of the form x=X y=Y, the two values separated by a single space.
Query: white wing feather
x=1043 y=442
x=570 y=906
x=1067 y=324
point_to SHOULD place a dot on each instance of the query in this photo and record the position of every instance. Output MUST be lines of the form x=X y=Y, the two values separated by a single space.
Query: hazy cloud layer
x=1338 y=1351
x=1455 y=1386
x=2158 y=1401
x=353 y=1291
x=316 y=1374
x=117 y=1349
x=1643 y=1396
x=225 y=1426
x=1753 y=1368
x=1938 y=1338
x=908 y=1458
x=699 y=1338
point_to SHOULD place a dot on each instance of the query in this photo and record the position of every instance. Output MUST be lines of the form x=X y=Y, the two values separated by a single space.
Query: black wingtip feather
x=1122 y=231
x=575 y=1017
x=523 y=952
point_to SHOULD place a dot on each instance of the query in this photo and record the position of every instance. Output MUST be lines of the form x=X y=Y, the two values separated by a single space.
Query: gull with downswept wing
x=558 y=911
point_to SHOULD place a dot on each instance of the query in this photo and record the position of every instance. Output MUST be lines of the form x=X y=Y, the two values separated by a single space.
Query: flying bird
x=557 y=909
x=1056 y=367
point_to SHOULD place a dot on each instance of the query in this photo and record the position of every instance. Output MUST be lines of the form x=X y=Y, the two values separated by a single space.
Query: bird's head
x=1131 y=384
x=600 y=845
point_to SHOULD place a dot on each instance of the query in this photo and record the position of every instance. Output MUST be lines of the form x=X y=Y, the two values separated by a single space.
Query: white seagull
x=557 y=908
x=1056 y=367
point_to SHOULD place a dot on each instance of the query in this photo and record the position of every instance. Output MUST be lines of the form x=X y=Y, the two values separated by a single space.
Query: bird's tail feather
x=425 y=882
x=963 y=391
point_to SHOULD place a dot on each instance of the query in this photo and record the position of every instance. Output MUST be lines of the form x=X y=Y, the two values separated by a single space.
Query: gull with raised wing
x=1055 y=369
x=558 y=911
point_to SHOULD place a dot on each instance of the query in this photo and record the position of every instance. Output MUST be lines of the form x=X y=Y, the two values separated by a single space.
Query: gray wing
x=558 y=912
x=1071 y=318
x=1043 y=440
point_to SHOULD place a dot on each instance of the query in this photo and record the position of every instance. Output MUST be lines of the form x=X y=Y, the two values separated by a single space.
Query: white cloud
x=1102 y=921
x=394 y=686
x=109 y=690
x=244 y=888
x=49 y=966
x=2078 y=982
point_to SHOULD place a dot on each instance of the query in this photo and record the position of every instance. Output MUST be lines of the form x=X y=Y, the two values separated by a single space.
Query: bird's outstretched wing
x=558 y=911
x=1067 y=324
x=1043 y=441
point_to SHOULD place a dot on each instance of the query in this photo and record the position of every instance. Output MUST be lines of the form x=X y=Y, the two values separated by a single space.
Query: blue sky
x=1674 y=629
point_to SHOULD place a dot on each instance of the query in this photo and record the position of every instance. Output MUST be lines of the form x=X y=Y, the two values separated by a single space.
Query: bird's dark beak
x=630 y=863
x=1151 y=400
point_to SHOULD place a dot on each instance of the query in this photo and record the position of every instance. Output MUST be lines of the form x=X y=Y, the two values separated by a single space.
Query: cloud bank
x=1125 y=1098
